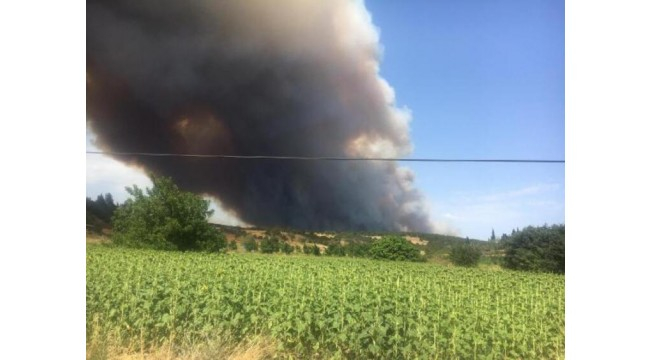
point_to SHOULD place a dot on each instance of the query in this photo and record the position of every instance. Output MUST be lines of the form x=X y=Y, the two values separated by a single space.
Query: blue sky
x=482 y=80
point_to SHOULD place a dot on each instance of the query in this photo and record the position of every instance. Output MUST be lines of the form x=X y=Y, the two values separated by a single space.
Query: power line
x=321 y=158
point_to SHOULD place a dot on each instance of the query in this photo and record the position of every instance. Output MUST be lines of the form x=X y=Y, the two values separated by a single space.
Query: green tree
x=164 y=217
x=394 y=248
x=99 y=212
x=311 y=249
x=335 y=249
x=250 y=244
x=270 y=245
x=286 y=248
x=536 y=249
x=465 y=255
x=232 y=245
x=358 y=249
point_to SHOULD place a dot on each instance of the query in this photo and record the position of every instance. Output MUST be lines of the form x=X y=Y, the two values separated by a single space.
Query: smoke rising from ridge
x=280 y=78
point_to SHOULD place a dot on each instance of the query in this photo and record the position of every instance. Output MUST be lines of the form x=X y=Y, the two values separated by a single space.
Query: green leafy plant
x=394 y=248
x=232 y=245
x=99 y=212
x=270 y=245
x=250 y=244
x=325 y=307
x=286 y=248
x=536 y=249
x=335 y=249
x=164 y=217
x=465 y=255
x=311 y=250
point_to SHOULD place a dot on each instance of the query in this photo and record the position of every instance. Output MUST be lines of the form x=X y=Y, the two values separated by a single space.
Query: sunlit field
x=320 y=307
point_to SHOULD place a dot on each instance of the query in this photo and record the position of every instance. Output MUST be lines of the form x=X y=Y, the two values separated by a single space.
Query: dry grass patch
x=254 y=349
x=256 y=233
x=230 y=237
x=325 y=235
x=97 y=239
x=415 y=240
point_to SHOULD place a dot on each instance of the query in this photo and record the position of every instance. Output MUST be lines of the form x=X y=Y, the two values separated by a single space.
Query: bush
x=232 y=245
x=270 y=245
x=335 y=249
x=311 y=249
x=164 y=217
x=286 y=248
x=358 y=249
x=250 y=244
x=465 y=255
x=99 y=213
x=394 y=248
x=536 y=249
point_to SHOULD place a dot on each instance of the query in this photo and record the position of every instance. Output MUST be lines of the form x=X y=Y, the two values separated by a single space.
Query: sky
x=481 y=80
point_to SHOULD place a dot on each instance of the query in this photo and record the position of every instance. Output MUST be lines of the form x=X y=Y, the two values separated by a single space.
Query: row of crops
x=324 y=307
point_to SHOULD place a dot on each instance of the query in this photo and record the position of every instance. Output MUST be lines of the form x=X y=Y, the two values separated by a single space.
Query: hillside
x=431 y=245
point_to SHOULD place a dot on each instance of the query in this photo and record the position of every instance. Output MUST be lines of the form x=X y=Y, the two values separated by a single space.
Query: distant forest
x=99 y=213
x=537 y=249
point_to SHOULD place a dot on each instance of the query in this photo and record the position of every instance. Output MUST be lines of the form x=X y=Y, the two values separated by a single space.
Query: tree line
x=164 y=217
x=99 y=212
x=387 y=248
x=535 y=249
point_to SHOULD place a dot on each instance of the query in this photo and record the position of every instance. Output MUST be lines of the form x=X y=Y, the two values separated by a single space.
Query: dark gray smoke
x=255 y=77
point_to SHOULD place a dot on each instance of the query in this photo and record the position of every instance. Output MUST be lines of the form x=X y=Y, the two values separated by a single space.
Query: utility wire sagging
x=323 y=158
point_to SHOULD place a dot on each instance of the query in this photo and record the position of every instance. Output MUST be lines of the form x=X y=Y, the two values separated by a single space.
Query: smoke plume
x=255 y=77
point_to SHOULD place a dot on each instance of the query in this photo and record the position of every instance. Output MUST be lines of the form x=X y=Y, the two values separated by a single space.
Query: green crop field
x=314 y=307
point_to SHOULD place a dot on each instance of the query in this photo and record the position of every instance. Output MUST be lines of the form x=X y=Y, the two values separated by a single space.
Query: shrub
x=394 y=248
x=358 y=249
x=465 y=255
x=250 y=244
x=311 y=249
x=286 y=248
x=101 y=209
x=270 y=245
x=536 y=249
x=335 y=249
x=164 y=217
